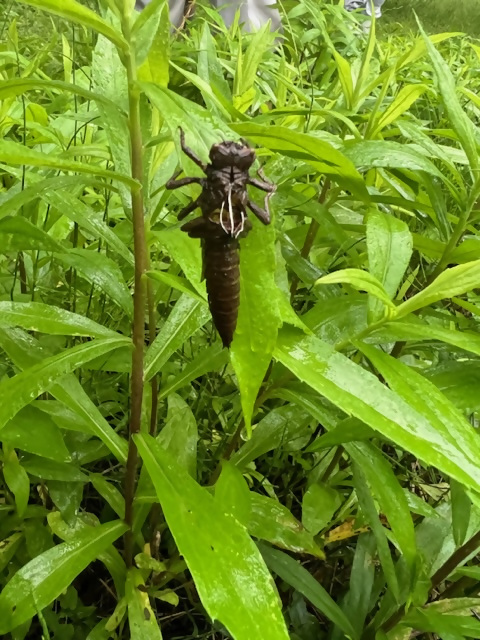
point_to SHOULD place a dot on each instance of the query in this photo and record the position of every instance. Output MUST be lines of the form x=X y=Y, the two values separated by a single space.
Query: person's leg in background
x=253 y=13
x=351 y=5
x=176 y=7
x=377 y=7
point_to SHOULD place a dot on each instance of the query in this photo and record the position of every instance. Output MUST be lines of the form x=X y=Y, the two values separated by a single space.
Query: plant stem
x=439 y=576
x=139 y=296
x=310 y=237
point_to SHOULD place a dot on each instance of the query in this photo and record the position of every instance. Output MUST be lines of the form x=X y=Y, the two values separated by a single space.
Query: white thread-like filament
x=230 y=210
x=242 y=225
x=222 y=224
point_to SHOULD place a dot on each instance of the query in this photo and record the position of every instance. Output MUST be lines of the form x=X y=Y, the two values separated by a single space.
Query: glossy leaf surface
x=44 y=578
x=233 y=583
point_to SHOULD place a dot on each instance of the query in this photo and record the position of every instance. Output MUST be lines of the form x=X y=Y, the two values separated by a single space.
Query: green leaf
x=175 y=282
x=8 y=548
x=402 y=102
x=393 y=331
x=102 y=272
x=319 y=154
x=16 y=479
x=206 y=360
x=367 y=505
x=153 y=44
x=109 y=493
x=45 y=318
x=258 y=318
x=271 y=521
x=348 y=430
x=361 y=394
x=28 y=385
x=13 y=200
x=461 y=510
x=452 y=282
x=373 y=154
x=71 y=393
x=389 y=245
x=44 y=578
x=141 y=617
x=179 y=436
x=362 y=576
x=286 y=426
x=361 y=280
x=458 y=119
x=289 y=570
x=86 y=218
x=17 y=86
x=24 y=351
x=441 y=623
x=34 y=431
x=185 y=319
x=232 y=494
x=53 y=470
x=187 y=254
x=78 y=13
x=232 y=581
x=385 y=488
x=19 y=234
x=454 y=433
x=318 y=506
x=16 y=153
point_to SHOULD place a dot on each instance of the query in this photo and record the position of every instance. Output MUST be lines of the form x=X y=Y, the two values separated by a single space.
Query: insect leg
x=197 y=228
x=173 y=183
x=188 y=209
x=262 y=214
x=261 y=184
x=191 y=154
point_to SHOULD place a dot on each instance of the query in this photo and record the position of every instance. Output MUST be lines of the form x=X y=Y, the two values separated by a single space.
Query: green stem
x=310 y=237
x=139 y=295
x=439 y=576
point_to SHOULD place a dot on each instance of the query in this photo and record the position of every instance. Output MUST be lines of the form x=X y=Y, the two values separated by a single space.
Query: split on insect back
x=223 y=203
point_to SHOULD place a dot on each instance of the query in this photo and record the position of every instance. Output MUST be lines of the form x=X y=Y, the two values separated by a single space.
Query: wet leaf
x=318 y=506
x=45 y=318
x=389 y=245
x=360 y=393
x=290 y=570
x=271 y=521
x=258 y=317
x=44 y=578
x=28 y=385
x=232 y=581
x=141 y=617
x=185 y=319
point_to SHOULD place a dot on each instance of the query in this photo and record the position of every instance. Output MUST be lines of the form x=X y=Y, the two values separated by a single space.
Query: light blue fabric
x=366 y=5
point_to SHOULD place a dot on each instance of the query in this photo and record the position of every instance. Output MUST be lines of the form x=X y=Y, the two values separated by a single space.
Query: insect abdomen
x=222 y=274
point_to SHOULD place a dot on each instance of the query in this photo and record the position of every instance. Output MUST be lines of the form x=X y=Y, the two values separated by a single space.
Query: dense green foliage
x=435 y=15
x=334 y=448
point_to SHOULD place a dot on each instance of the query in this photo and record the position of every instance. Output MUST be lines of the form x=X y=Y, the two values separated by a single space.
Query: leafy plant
x=321 y=479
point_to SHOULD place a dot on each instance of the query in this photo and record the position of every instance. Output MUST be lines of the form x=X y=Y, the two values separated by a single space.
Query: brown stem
x=439 y=576
x=152 y=324
x=233 y=444
x=310 y=238
x=139 y=298
x=333 y=463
